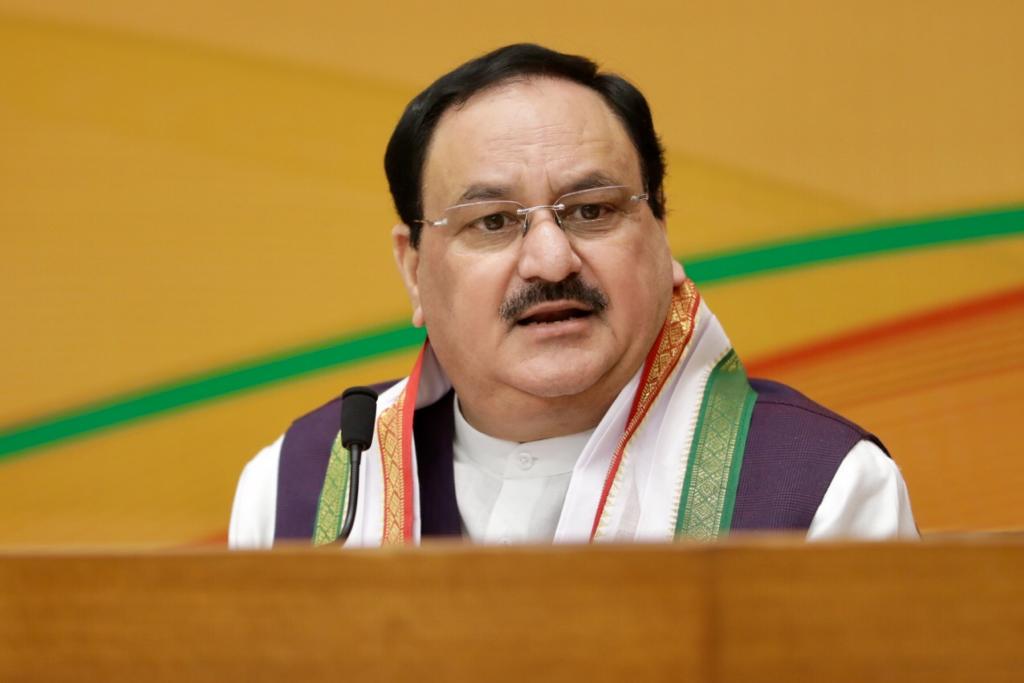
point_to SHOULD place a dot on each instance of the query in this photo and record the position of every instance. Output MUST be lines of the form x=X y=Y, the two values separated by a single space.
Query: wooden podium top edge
x=740 y=543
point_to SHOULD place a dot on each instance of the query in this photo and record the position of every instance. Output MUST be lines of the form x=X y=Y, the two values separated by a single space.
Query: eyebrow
x=484 y=192
x=590 y=181
x=478 y=192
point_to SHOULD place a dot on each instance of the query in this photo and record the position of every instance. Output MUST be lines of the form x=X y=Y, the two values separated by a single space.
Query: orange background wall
x=180 y=188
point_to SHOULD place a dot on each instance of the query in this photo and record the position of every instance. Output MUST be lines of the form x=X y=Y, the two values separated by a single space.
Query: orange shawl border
x=663 y=357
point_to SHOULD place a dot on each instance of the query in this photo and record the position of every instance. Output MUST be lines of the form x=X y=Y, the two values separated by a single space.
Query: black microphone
x=358 y=418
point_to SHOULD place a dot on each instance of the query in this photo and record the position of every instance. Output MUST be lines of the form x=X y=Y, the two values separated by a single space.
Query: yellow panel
x=959 y=448
x=767 y=314
x=907 y=108
x=944 y=395
x=168 y=210
x=712 y=208
x=173 y=208
x=186 y=186
x=164 y=482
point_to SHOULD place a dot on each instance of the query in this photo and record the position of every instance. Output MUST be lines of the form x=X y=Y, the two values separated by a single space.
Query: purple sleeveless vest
x=794 y=447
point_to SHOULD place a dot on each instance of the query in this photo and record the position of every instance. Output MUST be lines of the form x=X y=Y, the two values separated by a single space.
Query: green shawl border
x=330 y=510
x=716 y=453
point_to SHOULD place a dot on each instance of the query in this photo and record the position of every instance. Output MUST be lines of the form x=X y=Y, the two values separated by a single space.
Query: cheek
x=463 y=293
x=638 y=277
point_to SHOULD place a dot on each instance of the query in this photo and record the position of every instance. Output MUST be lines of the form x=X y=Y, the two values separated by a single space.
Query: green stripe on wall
x=332 y=353
x=854 y=242
x=207 y=386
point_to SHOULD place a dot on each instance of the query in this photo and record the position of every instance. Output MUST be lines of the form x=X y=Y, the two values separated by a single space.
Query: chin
x=554 y=379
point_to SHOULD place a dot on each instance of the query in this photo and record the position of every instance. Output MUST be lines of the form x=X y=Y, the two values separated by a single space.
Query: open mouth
x=558 y=315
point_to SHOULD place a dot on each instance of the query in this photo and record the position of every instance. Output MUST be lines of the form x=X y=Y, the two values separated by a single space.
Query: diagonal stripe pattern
x=857 y=242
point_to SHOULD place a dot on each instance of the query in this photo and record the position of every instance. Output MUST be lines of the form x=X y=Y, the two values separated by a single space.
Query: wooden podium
x=743 y=610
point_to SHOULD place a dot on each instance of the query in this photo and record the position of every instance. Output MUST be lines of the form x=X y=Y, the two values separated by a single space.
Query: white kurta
x=514 y=493
x=511 y=492
x=622 y=481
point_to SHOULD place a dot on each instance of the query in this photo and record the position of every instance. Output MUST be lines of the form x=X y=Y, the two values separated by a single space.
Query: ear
x=678 y=274
x=407 y=257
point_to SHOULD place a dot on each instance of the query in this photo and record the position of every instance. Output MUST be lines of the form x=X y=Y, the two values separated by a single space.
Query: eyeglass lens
x=491 y=225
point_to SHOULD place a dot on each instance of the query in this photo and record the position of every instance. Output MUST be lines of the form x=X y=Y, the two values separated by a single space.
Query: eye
x=495 y=222
x=585 y=213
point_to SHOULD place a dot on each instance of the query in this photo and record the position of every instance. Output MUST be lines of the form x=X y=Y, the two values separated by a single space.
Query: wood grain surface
x=746 y=610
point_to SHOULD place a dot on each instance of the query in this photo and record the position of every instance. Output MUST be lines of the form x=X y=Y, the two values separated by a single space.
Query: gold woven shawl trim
x=389 y=436
x=670 y=346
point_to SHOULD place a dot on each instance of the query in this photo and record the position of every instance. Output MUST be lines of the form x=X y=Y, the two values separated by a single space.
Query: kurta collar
x=511 y=460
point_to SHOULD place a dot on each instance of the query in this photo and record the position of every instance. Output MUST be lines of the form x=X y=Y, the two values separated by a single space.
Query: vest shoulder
x=786 y=404
x=794 y=448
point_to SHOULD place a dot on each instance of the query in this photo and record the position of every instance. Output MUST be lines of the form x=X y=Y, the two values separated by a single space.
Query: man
x=574 y=386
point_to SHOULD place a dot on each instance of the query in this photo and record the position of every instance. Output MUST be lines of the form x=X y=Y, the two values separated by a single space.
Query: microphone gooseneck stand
x=358 y=417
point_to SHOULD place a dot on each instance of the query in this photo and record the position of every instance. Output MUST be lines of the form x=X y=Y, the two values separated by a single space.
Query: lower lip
x=562 y=328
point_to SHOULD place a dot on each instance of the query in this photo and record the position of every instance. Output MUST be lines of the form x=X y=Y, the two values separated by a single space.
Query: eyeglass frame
x=526 y=211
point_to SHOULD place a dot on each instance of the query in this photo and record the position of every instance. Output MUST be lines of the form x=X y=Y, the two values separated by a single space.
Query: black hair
x=407 y=150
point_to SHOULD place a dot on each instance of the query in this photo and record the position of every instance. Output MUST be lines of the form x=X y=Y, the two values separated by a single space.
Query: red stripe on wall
x=870 y=336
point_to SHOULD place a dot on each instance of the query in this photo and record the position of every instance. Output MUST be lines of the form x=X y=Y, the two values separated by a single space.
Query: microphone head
x=358 y=416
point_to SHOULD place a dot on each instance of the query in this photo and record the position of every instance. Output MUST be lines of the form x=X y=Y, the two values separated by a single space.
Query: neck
x=519 y=417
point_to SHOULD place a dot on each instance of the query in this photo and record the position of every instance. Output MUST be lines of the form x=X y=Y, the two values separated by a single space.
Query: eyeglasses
x=493 y=225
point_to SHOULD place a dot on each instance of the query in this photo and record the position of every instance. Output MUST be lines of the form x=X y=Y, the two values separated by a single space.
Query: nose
x=546 y=252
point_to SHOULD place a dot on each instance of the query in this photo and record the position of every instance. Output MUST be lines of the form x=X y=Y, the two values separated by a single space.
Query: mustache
x=573 y=288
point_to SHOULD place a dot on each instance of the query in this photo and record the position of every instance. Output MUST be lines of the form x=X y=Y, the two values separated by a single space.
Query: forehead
x=531 y=137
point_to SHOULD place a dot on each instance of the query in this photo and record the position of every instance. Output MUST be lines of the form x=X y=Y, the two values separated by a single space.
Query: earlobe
x=678 y=274
x=407 y=258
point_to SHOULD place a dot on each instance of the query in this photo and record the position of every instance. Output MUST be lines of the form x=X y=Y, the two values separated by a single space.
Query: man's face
x=532 y=141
